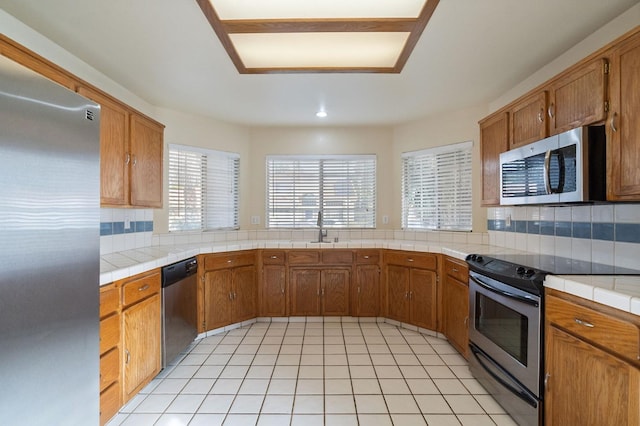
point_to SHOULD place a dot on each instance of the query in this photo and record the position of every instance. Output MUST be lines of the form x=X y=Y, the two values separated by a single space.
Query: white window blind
x=342 y=186
x=203 y=189
x=436 y=188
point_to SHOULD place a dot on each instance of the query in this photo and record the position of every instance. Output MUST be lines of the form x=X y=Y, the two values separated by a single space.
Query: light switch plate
x=255 y=220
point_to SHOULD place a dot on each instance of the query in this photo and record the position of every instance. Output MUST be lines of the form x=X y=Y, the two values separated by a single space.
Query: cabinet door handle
x=230 y=296
x=135 y=160
x=466 y=320
x=582 y=322
x=406 y=294
x=128 y=357
x=128 y=160
x=235 y=295
x=282 y=290
x=410 y=295
x=358 y=289
x=144 y=287
x=323 y=291
x=546 y=381
x=541 y=116
x=613 y=122
x=551 y=110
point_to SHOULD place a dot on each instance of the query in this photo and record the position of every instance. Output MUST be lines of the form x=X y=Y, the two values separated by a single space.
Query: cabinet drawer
x=614 y=334
x=109 y=371
x=412 y=259
x=109 y=403
x=304 y=257
x=456 y=269
x=273 y=257
x=109 y=333
x=109 y=300
x=368 y=256
x=221 y=261
x=139 y=289
x=337 y=257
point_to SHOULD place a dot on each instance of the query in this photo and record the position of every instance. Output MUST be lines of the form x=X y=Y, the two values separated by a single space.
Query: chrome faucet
x=319 y=223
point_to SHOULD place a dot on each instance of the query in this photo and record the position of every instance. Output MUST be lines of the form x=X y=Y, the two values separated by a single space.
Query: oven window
x=503 y=326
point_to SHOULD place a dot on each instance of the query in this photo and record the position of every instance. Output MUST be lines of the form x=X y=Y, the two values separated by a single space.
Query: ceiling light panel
x=319 y=50
x=314 y=9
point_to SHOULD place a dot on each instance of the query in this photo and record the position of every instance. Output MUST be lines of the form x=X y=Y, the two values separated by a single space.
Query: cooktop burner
x=557 y=265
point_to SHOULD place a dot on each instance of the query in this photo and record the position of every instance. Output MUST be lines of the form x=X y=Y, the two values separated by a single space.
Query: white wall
x=319 y=140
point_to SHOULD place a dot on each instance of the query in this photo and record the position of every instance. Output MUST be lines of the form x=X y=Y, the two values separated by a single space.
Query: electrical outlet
x=127 y=222
x=324 y=232
x=255 y=220
x=385 y=219
x=507 y=221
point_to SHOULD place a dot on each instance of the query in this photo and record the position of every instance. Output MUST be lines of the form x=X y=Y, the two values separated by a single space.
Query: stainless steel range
x=505 y=334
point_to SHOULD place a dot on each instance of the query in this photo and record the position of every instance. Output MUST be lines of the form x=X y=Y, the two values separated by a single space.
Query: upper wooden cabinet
x=130 y=155
x=494 y=139
x=623 y=126
x=577 y=97
x=528 y=120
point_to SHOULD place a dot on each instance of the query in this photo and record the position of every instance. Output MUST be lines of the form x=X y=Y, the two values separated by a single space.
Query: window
x=203 y=189
x=342 y=186
x=436 y=188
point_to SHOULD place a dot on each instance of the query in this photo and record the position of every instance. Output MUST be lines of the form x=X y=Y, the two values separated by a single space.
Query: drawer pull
x=144 y=287
x=366 y=257
x=274 y=257
x=229 y=261
x=585 y=323
x=409 y=260
x=128 y=356
x=454 y=270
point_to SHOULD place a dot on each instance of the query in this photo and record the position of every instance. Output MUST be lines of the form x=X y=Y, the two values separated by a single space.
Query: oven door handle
x=520 y=393
x=504 y=293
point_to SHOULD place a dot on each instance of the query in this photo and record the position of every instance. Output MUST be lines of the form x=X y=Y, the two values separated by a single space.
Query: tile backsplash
x=603 y=233
x=125 y=229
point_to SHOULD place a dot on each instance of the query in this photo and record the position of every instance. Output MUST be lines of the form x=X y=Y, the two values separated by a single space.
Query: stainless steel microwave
x=566 y=168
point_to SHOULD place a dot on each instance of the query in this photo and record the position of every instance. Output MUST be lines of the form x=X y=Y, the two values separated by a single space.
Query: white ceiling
x=165 y=52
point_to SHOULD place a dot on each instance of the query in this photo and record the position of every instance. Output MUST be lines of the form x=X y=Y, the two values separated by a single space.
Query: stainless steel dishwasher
x=179 y=319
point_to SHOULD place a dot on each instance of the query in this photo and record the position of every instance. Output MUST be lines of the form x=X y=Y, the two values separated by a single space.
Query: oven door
x=505 y=325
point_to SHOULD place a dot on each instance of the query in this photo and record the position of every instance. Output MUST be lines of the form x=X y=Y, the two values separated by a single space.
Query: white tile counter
x=621 y=292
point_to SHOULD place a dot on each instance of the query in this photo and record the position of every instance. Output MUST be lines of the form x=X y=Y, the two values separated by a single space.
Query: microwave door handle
x=547 y=171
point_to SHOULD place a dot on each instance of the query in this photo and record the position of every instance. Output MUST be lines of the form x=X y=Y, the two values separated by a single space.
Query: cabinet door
x=398 y=292
x=528 y=120
x=366 y=291
x=141 y=338
x=218 y=297
x=245 y=293
x=305 y=291
x=146 y=162
x=335 y=291
x=587 y=386
x=494 y=139
x=623 y=129
x=456 y=314
x=114 y=155
x=274 y=302
x=577 y=98
x=423 y=297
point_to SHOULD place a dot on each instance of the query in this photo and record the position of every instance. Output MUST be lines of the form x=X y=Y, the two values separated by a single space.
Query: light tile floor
x=316 y=373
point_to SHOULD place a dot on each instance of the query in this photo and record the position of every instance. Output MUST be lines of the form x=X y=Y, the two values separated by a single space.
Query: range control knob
x=473 y=257
x=479 y=259
x=529 y=272
x=520 y=270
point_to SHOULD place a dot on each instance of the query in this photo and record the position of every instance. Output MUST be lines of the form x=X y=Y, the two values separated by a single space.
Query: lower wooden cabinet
x=320 y=291
x=230 y=293
x=274 y=291
x=412 y=296
x=591 y=365
x=455 y=301
x=141 y=331
x=366 y=291
x=110 y=385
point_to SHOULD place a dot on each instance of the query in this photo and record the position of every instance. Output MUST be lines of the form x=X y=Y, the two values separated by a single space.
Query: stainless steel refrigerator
x=49 y=252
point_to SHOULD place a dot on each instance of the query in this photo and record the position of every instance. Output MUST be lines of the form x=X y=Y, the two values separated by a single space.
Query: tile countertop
x=621 y=292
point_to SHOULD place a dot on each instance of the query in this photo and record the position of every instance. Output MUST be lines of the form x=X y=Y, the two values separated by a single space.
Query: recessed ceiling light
x=321 y=114
x=283 y=36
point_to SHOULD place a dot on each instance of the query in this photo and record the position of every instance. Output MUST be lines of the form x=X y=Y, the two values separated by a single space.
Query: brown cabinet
x=230 y=289
x=623 y=126
x=412 y=288
x=130 y=154
x=528 y=120
x=591 y=364
x=141 y=331
x=366 y=285
x=110 y=389
x=455 y=288
x=320 y=291
x=494 y=140
x=577 y=97
x=274 y=284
